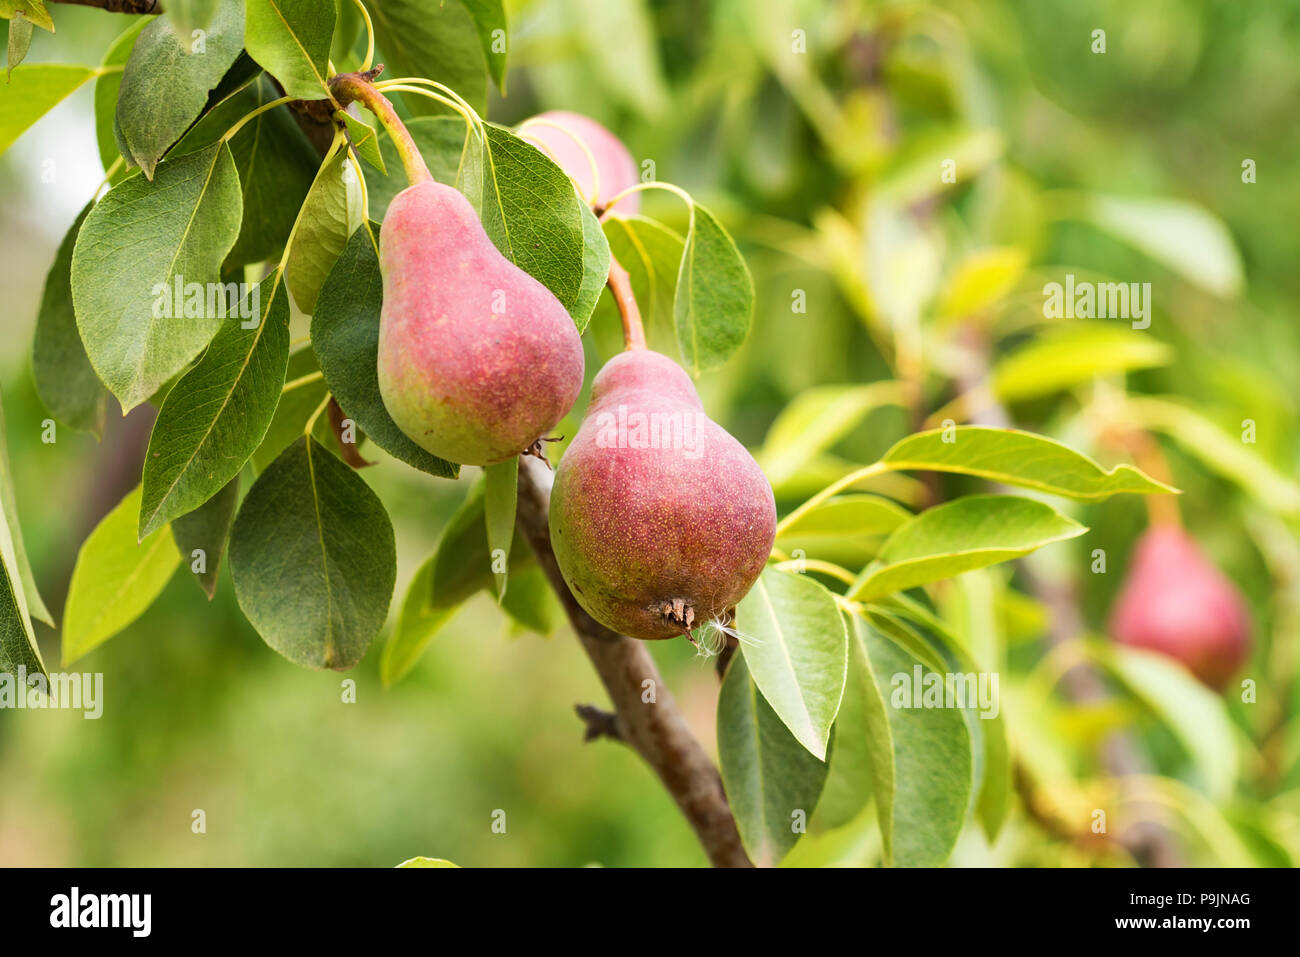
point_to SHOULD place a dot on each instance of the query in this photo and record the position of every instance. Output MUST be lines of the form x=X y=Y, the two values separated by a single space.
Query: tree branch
x=647 y=718
x=600 y=723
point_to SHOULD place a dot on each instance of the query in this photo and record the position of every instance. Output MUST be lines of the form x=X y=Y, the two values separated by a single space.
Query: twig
x=647 y=716
x=600 y=724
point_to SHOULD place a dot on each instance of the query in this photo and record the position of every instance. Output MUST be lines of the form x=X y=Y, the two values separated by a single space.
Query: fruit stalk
x=357 y=87
x=620 y=284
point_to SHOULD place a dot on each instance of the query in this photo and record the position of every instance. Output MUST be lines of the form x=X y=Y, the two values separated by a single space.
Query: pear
x=561 y=135
x=660 y=520
x=477 y=359
x=1177 y=603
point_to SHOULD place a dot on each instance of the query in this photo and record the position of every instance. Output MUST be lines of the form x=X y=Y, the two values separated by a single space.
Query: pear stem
x=620 y=284
x=350 y=87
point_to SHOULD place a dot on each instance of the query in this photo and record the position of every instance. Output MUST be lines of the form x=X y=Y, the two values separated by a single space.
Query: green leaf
x=190 y=15
x=627 y=71
x=595 y=268
x=772 y=781
x=531 y=603
x=816 y=419
x=499 y=500
x=1066 y=356
x=19 y=599
x=291 y=40
x=276 y=165
x=18 y=648
x=33 y=10
x=489 y=18
x=958 y=536
x=464 y=560
x=913 y=176
x=331 y=213
x=1196 y=716
x=982 y=280
x=65 y=380
x=20 y=40
x=296 y=406
x=1017 y=458
x=652 y=255
x=216 y=416
x=715 y=295
x=1222 y=453
x=918 y=760
x=416 y=625
x=116 y=579
x=365 y=140
x=346 y=34
x=32 y=602
x=862 y=764
x=206 y=530
x=345 y=337
x=441 y=141
x=530 y=210
x=1181 y=235
x=31 y=93
x=460 y=566
x=847 y=530
x=432 y=39
x=795 y=649
x=134 y=245
x=107 y=86
x=848 y=516
x=904 y=615
x=167 y=80
x=313 y=558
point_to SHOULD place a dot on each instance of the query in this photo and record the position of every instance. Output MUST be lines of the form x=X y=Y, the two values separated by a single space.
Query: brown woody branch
x=600 y=723
x=645 y=714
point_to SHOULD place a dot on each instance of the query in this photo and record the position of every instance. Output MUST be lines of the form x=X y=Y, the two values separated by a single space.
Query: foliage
x=863 y=290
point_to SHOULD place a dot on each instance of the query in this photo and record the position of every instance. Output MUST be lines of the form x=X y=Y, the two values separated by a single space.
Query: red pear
x=561 y=135
x=1177 y=603
x=660 y=520
x=477 y=359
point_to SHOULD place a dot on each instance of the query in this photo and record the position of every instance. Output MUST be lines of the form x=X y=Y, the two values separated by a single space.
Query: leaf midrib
x=785 y=651
x=324 y=554
x=207 y=434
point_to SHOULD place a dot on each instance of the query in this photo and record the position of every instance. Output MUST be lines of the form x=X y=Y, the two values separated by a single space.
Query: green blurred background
x=200 y=714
